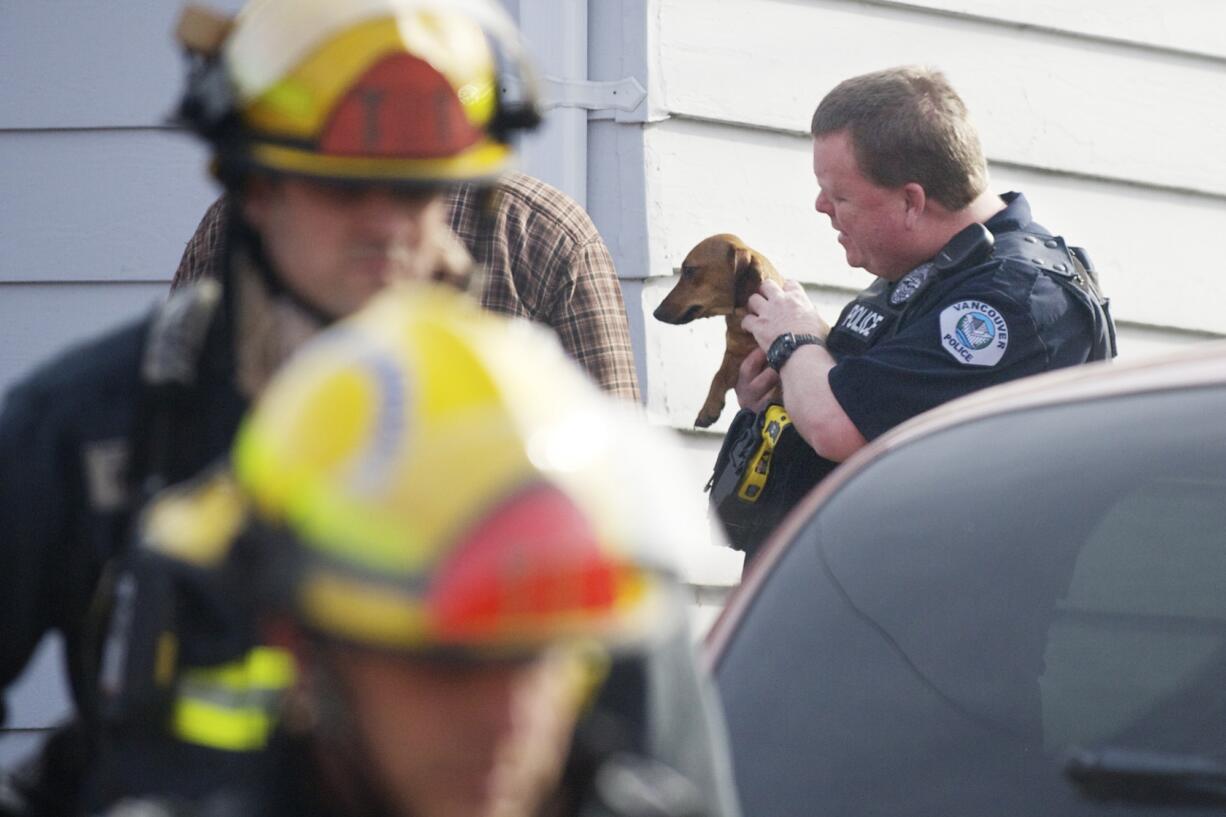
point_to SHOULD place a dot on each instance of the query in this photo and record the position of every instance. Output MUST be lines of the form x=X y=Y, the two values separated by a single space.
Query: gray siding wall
x=1105 y=112
x=100 y=194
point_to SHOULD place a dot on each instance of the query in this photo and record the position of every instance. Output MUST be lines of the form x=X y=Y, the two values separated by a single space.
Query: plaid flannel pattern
x=543 y=259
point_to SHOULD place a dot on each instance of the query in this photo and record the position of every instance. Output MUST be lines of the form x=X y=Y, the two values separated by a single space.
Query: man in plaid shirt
x=543 y=260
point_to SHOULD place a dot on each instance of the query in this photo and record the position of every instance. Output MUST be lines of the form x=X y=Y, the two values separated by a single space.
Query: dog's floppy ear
x=746 y=275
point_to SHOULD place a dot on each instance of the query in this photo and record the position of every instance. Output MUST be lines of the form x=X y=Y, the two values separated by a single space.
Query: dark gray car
x=1015 y=605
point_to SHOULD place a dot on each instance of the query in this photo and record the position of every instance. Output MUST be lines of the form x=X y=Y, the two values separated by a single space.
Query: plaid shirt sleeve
x=544 y=260
x=590 y=319
x=202 y=256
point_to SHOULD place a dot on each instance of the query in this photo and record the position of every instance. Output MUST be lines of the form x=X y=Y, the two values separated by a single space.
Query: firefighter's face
x=335 y=246
x=462 y=740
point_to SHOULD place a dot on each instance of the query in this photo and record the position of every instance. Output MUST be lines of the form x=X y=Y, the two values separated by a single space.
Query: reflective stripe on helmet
x=485 y=160
x=362 y=611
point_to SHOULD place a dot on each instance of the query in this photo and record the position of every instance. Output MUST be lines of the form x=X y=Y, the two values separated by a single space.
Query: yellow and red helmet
x=417 y=92
x=445 y=479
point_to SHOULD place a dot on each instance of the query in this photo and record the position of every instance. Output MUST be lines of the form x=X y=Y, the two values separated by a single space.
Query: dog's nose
x=666 y=315
x=675 y=315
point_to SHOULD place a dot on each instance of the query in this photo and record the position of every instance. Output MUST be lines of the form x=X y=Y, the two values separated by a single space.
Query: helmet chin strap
x=269 y=321
x=248 y=241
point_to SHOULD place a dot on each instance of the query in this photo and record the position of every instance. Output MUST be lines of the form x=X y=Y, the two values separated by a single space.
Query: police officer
x=451 y=626
x=970 y=291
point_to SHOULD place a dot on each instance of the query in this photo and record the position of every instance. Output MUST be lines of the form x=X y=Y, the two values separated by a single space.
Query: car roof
x=1200 y=365
x=1197 y=366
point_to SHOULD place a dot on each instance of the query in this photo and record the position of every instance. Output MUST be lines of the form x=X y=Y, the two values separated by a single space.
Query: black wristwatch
x=783 y=346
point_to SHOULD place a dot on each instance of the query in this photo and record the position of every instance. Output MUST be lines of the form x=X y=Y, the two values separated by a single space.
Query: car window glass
x=1146 y=608
x=970 y=606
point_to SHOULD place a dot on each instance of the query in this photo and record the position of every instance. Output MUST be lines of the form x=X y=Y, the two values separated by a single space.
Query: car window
x=1146 y=606
x=968 y=609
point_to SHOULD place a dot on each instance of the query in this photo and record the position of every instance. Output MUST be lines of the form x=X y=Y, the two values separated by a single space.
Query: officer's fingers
x=766 y=381
x=794 y=287
x=759 y=391
x=798 y=298
x=744 y=396
x=755 y=303
x=751 y=369
x=754 y=374
x=769 y=289
x=751 y=323
x=753 y=363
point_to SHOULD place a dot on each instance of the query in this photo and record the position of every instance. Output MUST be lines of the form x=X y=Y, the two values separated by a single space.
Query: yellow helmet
x=416 y=92
x=444 y=479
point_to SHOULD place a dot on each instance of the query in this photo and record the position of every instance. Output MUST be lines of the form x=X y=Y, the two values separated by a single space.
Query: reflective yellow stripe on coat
x=233 y=707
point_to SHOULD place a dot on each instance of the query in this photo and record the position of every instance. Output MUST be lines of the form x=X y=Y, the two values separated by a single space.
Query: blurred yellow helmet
x=414 y=92
x=444 y=479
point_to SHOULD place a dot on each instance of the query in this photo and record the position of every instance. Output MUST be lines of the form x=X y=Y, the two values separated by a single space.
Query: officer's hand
x=774 y=310
x=756 y=383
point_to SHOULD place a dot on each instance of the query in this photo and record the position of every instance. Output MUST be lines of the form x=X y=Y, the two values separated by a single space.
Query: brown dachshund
x=717 y=278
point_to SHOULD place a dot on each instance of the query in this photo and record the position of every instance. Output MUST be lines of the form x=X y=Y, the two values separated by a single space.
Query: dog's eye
x=687 y=272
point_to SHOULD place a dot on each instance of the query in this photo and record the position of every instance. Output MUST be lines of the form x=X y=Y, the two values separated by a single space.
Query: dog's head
x=717 y=277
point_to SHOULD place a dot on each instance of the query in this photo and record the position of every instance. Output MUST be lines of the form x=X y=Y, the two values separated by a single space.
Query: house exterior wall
x=100 y=195
x=1106 y=117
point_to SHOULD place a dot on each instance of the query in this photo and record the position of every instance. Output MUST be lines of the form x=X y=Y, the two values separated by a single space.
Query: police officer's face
x=869 y=219
x=336 y=246
x=462 y=740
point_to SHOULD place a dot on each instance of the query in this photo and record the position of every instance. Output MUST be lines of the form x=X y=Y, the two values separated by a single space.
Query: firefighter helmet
x=444 y=479
x=413 y=92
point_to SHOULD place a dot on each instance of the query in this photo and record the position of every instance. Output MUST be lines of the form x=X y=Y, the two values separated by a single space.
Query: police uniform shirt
x=955 y=332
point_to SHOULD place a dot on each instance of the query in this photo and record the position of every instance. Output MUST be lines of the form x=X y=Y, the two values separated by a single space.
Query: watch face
x=780 y=350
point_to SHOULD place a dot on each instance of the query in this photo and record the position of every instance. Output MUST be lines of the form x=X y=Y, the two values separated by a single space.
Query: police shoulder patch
x=974 y=332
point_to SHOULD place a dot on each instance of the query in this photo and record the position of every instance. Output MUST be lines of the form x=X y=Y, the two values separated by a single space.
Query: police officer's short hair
x=908 y=124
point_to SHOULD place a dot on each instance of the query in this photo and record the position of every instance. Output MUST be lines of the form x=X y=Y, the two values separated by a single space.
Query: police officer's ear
x=746 y=275
x=915 y=200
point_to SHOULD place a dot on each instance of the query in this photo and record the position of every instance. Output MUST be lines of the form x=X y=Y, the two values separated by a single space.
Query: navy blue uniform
x=994 y=305
x=960 y=331
x=66 y=443
x=69 y=434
